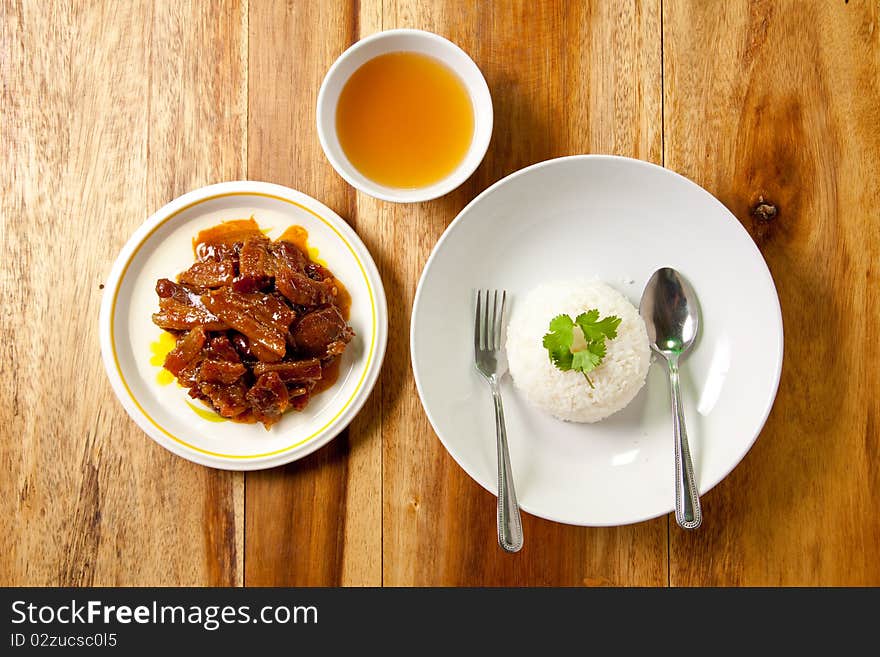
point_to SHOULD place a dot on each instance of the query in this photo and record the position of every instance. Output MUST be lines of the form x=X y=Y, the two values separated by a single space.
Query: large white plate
x=619 y=220
x=161 y=248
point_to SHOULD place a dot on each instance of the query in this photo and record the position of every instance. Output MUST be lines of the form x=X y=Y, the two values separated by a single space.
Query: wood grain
x=551 y=98
x=112 y=109
x=316 y=521
x=780 y=103
x=99 y=129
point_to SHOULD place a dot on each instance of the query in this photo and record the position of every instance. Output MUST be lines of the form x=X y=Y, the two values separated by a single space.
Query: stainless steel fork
x=491 y=362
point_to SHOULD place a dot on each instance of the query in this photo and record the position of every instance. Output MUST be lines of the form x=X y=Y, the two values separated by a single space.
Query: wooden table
x=110 y=110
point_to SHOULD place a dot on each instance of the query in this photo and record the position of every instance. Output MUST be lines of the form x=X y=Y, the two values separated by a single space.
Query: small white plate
x=162 y=248
x=617 y=219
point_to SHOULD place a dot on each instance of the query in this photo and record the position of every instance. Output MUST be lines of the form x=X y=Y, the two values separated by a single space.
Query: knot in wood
x=764 y=211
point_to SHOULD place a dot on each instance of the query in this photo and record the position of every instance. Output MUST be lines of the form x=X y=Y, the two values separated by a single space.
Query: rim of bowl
x=114 y=280
x=756 y=254
x=481 y=100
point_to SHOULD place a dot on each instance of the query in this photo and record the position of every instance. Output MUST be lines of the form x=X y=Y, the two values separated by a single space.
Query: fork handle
x=510 y=534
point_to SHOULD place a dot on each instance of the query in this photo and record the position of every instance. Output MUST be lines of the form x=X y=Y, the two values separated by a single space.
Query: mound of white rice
x=567 y=395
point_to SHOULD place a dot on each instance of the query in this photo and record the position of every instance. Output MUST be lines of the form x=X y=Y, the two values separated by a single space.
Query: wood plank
x=566 y=78
x=316 y=521
x=198 y=136
x=87 y=498
x=781 y=101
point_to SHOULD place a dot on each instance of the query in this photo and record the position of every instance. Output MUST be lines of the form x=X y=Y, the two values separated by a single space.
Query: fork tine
x=493 y=327
x=477 y=323
x=499 y=319
x=485 y=331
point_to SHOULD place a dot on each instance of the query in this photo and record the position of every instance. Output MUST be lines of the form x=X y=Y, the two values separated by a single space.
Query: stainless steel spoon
x=672 y=317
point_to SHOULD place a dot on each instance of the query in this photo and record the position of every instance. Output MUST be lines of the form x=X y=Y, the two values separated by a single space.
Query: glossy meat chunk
x=256 y=263
x=187 y=350
x=288 y=257
x=220 y=348
x=317 y=272
x=302 y=290
x=228 y=400
x=299 y=401
x=220 y=371
x=268 y=398
x=217 y=252
x=176 y=316
x=293 y=370
x=166 y=288
x=262 y=318
x=322 y=333
x=336 y=347
x=209 y=274
x=181 y=309
x=189 y=376
x=243 y=347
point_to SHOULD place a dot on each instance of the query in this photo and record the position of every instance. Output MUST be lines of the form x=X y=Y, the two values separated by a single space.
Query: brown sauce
x=226 y=234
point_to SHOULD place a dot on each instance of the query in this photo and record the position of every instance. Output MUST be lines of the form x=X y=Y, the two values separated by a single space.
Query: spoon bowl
x=671 y=312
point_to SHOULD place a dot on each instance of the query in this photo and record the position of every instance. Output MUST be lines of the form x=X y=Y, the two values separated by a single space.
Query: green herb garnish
x=560 y=340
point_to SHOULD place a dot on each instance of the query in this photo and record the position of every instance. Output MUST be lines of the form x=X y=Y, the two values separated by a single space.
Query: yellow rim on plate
x=283 y=449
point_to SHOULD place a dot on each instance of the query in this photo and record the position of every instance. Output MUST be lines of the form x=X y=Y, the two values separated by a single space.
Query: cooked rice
x=567 y=395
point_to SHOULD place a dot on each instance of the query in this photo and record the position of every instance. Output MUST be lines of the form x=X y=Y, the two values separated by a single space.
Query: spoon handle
x=688 y=513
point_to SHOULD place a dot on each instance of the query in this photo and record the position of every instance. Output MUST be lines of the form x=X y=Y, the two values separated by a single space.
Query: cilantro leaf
x=598 y=349
x=596 y=330
x=585 y=360
x=558 y=342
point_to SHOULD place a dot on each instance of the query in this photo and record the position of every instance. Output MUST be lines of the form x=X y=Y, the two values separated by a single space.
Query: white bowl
x=425 y=43
x=619 y=220
x=161 y=248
